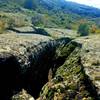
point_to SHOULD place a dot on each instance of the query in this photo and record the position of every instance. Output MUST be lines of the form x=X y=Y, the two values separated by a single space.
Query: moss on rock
x=70 y=81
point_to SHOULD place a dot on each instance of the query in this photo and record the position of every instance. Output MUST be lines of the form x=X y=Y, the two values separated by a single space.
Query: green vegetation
x=83 y=29
x=50 y=14
x=70 y=81
x=10 y=20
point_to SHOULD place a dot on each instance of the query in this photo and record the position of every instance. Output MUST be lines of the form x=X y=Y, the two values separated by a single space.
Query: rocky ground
x=49 y=69
x=16 y=53
x=90 y=56
x=58 y=33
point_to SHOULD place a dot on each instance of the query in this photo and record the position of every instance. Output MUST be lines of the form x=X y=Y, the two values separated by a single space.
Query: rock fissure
x=50 y=70
x=30 y=69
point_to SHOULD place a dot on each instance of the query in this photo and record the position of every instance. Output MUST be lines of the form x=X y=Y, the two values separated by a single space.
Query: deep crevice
x=13 y=80
x=9 y=81
x=33 y=79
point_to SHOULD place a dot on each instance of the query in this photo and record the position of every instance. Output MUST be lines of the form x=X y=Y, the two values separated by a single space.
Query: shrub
x=68 y=26
x=83 y=29
x=30 y=4
x=37 y=20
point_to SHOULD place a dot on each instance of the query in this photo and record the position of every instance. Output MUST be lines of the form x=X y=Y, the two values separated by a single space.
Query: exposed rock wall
x=90 y=56
x=26 y=65
x=70 y=81
x=33 y=64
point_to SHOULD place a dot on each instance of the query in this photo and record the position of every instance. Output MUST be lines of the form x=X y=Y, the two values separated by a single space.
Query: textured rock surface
x=23 y=61
x=28 y=30
x=58 y=33
x=18 y=53
x=70 y=81
x=23 y=95
x=90 y=56
x=32 y=62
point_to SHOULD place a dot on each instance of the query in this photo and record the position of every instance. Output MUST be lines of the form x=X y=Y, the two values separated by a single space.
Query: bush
x=68 y=26
x=37 y=19
x=83 y=29
x=30 y=4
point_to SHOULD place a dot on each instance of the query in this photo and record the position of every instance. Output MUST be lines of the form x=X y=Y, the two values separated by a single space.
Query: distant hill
x=64 y=6
x=53 y=13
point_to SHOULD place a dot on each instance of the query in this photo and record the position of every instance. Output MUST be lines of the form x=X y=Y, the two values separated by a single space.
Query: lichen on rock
x=23 y=95
x=32 y=63
x=70 y=81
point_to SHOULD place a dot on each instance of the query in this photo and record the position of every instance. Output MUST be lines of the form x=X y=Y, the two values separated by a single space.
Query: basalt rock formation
x=47 y=69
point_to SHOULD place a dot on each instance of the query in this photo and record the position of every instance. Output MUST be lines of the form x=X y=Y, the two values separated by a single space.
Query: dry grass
x=2 y=26
x=8 y=20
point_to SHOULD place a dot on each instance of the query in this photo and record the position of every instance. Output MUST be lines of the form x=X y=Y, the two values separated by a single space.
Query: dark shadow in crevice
x=36 y=75
x=9 y=78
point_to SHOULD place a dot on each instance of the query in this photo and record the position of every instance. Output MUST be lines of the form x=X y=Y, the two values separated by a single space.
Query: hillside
x=53 y=13
x=49 y=50
x=62 y=5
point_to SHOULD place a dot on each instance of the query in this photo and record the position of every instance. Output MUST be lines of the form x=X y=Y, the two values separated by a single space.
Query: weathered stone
x=73 y=83
x=90 y=57
x=25 y=62
x=30 y=61
x=23 y=95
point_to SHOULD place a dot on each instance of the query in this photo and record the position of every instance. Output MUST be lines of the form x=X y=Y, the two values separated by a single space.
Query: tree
x=83 y=29
x=29 y=4
x=36 y=20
